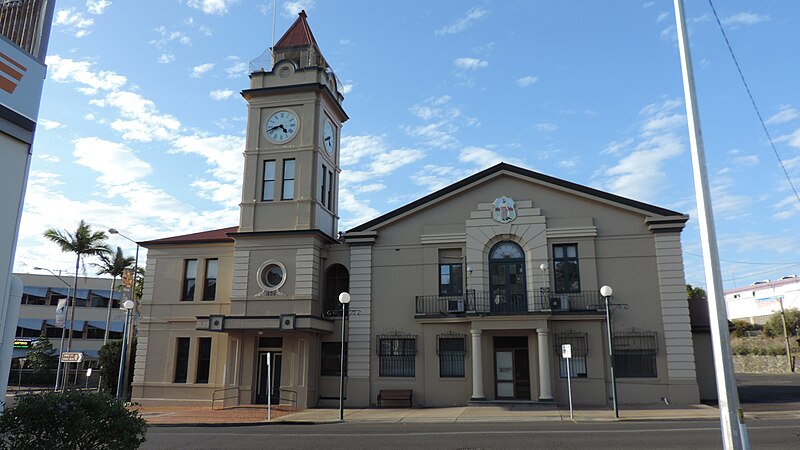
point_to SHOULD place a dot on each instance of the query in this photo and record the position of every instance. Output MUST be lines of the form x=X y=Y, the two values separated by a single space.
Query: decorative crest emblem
x=504 y=210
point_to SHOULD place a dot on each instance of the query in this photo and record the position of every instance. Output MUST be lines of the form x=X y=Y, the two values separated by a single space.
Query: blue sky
x=141 y=126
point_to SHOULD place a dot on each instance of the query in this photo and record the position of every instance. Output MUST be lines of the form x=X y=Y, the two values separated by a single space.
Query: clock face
x=281 y=126
x=328 y=138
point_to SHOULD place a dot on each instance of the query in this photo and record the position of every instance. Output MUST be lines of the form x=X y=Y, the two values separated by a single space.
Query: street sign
x=566 y=351
x=72 y=357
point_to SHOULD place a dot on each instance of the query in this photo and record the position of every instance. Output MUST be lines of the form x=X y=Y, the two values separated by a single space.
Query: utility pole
x=734 y=432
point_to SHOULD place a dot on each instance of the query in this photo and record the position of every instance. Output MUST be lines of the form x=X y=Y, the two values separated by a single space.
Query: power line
x=753 y=102
x=781 y=263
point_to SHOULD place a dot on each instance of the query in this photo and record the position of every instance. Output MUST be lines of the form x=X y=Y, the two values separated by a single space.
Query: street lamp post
x=129 y=339
x=63 y=329
x=606 y=292
x=128 y=305
x=344 y=299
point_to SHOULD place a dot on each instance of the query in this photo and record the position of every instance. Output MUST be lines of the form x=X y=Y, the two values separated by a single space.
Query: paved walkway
x=252 y=415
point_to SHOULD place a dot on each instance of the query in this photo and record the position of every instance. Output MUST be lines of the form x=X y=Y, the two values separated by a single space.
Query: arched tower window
x=337 y=280
x=507 y=277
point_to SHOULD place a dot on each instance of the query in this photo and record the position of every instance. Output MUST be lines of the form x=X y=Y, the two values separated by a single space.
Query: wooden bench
x=395 y=394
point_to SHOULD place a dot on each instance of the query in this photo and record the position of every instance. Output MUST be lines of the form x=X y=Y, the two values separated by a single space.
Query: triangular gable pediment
x=505 y=169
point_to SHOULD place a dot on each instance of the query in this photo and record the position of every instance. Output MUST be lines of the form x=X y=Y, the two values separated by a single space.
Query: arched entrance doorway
x=507 y=278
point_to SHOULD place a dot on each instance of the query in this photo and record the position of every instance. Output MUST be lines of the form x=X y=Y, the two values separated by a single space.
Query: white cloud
x=221 y=94
x=568 y=164
x=641 y=174
x=546 y=127
x=484 y=157
x=49 y=158
x=745 y=18
x=166 y=36
x=526 y=81
x=368 y=156
x=473 y=15
x=786 y=113
x=438 y=134
x=434 y=107
x=65 y=70
x=293 y=8
x=48 y=124
x=140 y=119
x=219 y=7
x=346 y=88
x=200 y=70
x=433 y=177
x=470 y=63
x=793 y=138
x=238 y=69
x=223 y=153
x=373 y=187
x=97 y=6
x=73 y=21
x=357 y=209
x=116 y=163
x=166 y=58
x=747 y=161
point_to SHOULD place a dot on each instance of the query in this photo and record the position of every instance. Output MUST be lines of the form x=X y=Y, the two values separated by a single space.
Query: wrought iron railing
x=485 y=303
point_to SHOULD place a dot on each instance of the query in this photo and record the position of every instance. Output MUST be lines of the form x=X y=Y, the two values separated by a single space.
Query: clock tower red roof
x=298 y=35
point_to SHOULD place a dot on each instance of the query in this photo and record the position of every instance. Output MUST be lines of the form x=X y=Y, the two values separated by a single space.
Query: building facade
x=37 y=317
x=757 y=302
x=465 y=295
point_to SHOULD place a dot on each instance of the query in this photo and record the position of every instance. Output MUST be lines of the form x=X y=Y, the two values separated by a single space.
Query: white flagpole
x=269 y=386
x=734 y=432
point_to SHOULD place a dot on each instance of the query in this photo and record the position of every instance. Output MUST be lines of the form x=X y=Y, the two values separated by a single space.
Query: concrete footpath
x=250 y=415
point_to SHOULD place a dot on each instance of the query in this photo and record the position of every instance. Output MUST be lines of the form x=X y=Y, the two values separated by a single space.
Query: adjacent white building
x=755 y=303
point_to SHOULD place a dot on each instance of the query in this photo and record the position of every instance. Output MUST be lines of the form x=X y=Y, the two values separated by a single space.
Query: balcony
x=484 y=304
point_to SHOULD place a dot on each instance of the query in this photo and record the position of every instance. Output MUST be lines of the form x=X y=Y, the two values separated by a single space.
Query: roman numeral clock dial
x=281 y=126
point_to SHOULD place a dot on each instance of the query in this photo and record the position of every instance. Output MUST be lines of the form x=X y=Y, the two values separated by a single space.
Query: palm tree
x=113 y=265
x=84 y=242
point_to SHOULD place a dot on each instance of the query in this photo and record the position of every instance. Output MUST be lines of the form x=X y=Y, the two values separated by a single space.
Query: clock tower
x=291 y=168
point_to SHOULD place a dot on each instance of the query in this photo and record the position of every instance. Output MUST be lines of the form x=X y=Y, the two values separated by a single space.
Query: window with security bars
x=580 y=349
x=451 y=349
x=397 y=356
x=635 y=354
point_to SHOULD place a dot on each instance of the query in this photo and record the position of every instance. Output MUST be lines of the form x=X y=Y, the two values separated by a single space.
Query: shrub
x=774 y=325
x=762 y=346
x=71 y=420
x=741 y=327
x=109 y=356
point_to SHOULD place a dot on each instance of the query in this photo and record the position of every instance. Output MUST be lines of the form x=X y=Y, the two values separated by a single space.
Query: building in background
x=755 y=303
x=37 y=317
x=24 y=34
x=465 y=295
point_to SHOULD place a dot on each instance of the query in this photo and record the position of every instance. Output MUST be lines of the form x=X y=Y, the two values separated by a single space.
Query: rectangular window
x=451 y=352
x=29 y=299
x=189 y=279
x=268 y=191
x=397 y=356
x=580 y=349
x=323 y=182
x=287 y=193
x=635 y=354
x=331 y=359
x=210 y=288
x=450 y=279
x=330 y=190
x=97 y=301
x=566 y=274
x=203 y=360
x=181 y=359
x=95 y=332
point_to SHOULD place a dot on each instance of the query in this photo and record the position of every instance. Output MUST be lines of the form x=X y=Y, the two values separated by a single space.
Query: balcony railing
x=484 y=303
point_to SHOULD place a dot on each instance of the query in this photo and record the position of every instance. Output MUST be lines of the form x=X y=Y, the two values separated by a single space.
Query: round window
x=271 y=275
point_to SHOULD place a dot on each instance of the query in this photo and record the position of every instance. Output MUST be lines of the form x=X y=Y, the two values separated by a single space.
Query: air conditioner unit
x=455 y=305
x=559 y=303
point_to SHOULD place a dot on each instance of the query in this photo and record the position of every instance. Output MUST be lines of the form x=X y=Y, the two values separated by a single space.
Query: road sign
x=72 y=357
x=566 y=351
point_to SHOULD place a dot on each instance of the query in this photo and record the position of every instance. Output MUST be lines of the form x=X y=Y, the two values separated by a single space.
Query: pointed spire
x=298 y=35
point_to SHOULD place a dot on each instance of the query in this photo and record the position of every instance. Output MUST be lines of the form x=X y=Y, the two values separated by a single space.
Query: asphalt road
x=697 y=434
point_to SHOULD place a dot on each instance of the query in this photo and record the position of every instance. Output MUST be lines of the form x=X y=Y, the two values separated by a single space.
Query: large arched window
x=337 y=280
x=507 y=277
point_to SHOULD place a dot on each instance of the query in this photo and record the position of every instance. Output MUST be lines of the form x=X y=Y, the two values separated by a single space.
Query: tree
x=84 y=242
x=774 y=325
x=695 y=293
x=42 y=358
x=740 y=327
x=109 y=356
x=113 y=265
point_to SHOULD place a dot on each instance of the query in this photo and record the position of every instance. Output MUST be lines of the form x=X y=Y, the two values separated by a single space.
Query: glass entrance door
x=512 y=368
x=504 y=373
x=274 y=370
x=507 y=278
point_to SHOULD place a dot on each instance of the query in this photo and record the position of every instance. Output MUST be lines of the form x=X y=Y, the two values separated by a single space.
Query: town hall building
x=465 y=295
